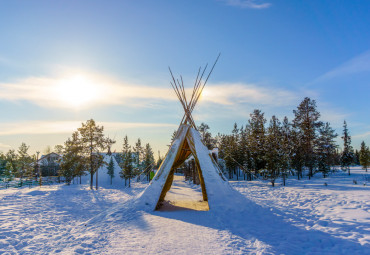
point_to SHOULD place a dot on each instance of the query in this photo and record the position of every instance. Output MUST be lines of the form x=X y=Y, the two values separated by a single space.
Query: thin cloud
x=67 y=127
x=334 y=117
x=87 y=90
x=239 y=93
x=362 y=136
x=252 y=4
x=358 y=64
x=79 y=91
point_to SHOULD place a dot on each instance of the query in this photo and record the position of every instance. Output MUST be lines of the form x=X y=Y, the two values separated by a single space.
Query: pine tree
x=287 y=148
x=356 y=160
x=325 y=148
x=128 y=169
x=13 y=166
x=111 y=170
x=138 y=153
x=257 y=139
x=8 y=171
x=159 y=162
x=244 y=158
x=225 y=146
x=206 y=136
x=235 y=150
x=24 y=161
x=148 y=157
x=126 y=159
x=92 y=142
x=364 y=156
x=307 y=122
x=2 y=163
x=347 y=154
x=274 y=150
x=72 y=151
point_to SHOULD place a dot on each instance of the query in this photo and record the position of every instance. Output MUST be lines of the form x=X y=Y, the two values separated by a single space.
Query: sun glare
x=77 y=91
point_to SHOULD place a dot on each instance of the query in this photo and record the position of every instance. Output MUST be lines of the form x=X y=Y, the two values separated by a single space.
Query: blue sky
x=273 y=54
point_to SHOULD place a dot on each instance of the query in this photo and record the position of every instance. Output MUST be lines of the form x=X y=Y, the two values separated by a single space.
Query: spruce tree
x=364 y=156
x=274 y=150
x=126 y=162
x=307 y=122
x=347 y=153
x=111 y=170
x=206 y=136
x=356 y=159
x=148 y=157
x=287 y=148
x=325 y=148
x=235 y=150
x=257 y=139
x=138 y=153
x=244 y=158
x=128 y=168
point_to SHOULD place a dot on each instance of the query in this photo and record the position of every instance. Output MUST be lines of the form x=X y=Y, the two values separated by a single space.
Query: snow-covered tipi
x=215 y=188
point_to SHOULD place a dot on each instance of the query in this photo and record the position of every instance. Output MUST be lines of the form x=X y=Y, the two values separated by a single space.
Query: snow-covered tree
x=206 y=136
x=364 y=156
x=287 y=148
x=325 y=148
x=111 y=169
x=127 y=160
x=307 y=122
x=347 y=153
x=138 y=151
x=148 y=157
x=257 y=139
x=274 y=150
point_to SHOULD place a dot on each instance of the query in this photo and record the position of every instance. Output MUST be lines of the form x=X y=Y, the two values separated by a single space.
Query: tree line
x=17 y=163
x=82 y=153
x=283 y=148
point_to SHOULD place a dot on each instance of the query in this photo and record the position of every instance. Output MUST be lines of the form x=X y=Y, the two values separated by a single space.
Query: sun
x=77 y=91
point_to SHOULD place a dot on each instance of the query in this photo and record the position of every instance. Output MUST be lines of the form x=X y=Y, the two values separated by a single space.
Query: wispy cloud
x=236 y=93
x=358 y=64
x=334 y=117
x=79 y=91
x=90 y=90
x=252 y=4
x=67 y=127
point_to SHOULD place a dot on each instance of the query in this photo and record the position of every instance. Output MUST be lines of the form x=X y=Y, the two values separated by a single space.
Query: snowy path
x=306 y=217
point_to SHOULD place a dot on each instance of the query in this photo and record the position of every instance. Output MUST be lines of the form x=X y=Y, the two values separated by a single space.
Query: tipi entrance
x=183 y=195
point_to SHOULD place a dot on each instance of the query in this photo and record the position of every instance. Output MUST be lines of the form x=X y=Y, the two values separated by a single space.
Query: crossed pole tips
x=178 y=87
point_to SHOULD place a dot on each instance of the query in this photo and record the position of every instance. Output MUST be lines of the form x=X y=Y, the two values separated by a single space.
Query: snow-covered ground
x=305 y=217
